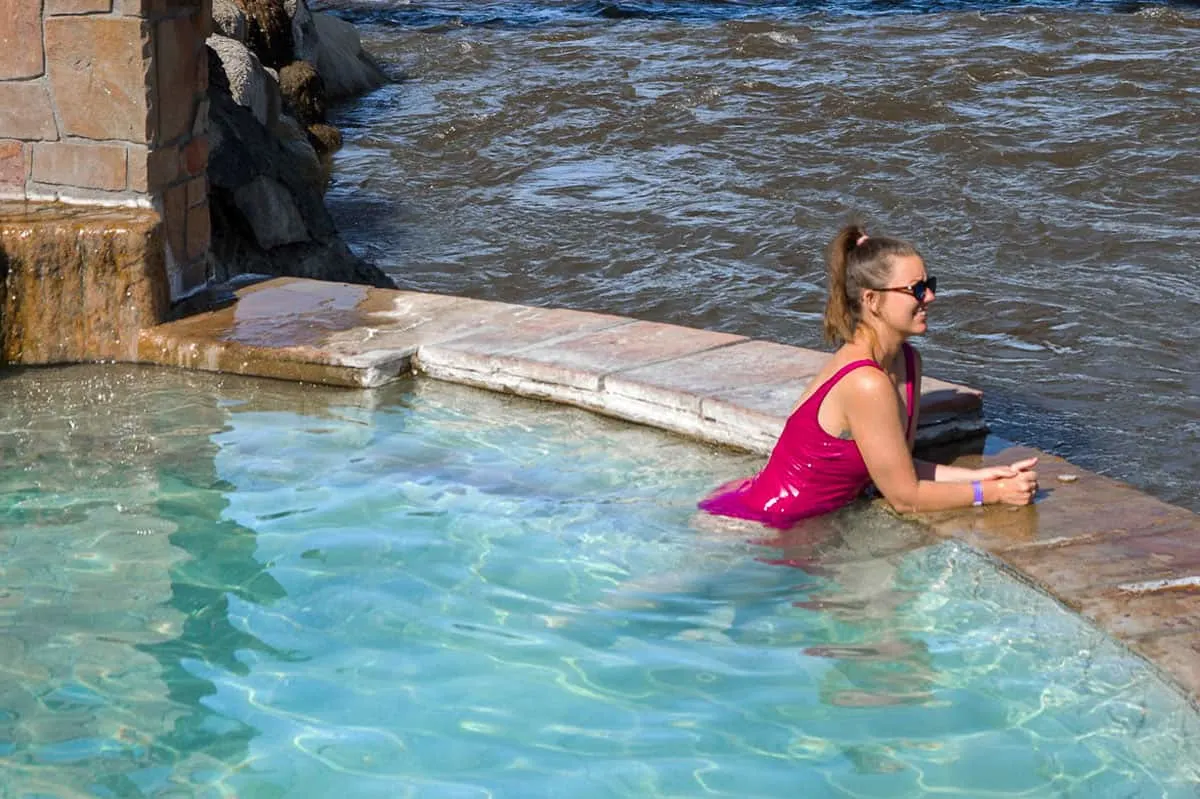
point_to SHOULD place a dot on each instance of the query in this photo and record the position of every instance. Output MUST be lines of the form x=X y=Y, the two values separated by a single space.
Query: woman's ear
x=870 y=301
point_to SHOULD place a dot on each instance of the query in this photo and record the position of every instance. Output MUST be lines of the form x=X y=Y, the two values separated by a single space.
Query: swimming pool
x=214 y=586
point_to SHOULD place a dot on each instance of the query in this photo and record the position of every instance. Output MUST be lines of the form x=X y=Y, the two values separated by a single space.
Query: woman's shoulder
x=866 y=377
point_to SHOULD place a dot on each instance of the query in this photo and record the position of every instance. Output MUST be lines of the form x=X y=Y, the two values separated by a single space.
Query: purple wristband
x=977 y=487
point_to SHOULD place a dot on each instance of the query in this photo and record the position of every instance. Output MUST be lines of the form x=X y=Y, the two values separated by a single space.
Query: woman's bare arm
x=872 y=413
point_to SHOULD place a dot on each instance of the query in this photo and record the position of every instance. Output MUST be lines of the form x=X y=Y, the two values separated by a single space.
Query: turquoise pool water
x=221 y=587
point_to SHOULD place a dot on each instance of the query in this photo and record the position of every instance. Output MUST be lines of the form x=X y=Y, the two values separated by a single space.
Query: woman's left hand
x=1001 y=472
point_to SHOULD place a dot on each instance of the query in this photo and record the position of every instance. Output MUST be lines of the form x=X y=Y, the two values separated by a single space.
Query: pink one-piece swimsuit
x=809 y=472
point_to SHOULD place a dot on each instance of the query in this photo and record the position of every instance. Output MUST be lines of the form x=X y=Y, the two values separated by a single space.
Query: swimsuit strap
x=818 y=396
x=909 y=362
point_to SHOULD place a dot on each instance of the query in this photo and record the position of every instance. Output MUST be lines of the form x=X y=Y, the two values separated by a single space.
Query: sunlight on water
x=220 y=587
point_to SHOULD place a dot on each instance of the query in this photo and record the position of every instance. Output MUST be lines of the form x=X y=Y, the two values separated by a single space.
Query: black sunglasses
x=918 y=289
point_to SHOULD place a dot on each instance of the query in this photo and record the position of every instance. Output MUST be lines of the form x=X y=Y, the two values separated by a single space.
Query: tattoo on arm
x=846 y=435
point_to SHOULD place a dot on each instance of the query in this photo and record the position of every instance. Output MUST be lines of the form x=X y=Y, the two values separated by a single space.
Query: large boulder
x=250 y=84
x=344 y=66
x=304 y=31
x=268 y=215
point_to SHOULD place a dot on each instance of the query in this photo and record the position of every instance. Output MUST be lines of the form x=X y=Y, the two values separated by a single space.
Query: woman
x=856 y=422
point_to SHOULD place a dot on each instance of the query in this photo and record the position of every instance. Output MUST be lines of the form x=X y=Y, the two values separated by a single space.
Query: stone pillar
x=104 y=103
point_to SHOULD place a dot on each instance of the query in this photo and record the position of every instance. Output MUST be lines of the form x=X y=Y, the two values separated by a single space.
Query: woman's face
x=896 y=303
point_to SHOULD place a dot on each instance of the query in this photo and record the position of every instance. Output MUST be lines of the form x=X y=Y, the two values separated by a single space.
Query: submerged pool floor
x=218 y=586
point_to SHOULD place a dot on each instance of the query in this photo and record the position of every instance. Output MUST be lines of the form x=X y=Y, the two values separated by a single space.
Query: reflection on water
x=687 y=162
x=220 y=587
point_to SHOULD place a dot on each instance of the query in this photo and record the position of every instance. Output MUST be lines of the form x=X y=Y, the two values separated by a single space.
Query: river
x=686 y=162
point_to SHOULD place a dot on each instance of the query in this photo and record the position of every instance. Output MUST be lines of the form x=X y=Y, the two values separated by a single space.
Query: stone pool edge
x=1125 y=561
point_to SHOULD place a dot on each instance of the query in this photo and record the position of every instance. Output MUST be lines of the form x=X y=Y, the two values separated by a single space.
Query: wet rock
x=268 y=31
x=344 y=66
x=325 y=139
x=303 y=92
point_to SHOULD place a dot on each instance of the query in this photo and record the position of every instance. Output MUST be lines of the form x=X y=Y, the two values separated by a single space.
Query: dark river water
x=686 y=162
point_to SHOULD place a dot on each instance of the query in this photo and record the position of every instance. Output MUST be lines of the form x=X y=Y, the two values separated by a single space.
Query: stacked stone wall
x=104 y=102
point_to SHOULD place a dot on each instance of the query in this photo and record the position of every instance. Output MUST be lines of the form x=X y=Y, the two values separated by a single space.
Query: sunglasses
x=917 y=290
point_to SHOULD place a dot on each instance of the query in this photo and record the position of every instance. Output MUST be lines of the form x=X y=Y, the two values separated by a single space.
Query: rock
x=268 y=206
x=304 y=31
x=229 y=19
x=325 y=139
x=268 y=214
x=343 y=65
x=303 y=92
x=249 y=84
x=269 y=31
x=295 y=139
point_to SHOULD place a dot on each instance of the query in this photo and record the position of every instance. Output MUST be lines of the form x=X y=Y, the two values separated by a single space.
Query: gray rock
x=293 y=138
x=268 y=206
x=305 y=40
x=341 y=61
x=268 y=214
x=250 y=84
x=229 y=19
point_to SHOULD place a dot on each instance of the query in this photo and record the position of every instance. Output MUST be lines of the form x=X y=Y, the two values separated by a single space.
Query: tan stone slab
x=1077 y=570
x=1130 y=615
x=940 y=399
x=92 y=165
x=1089 y=507
x=20 y=41
x=14 y=167
x=1178 y=655
x=750 y=429
x=164 y=347
x=340 y=328
x=684 y=382
x=25 y=111
x=56 y=7
x=465 y=337
x=99 y=67
x=628 y=346
x=523 y=327
x=297 y=330
x=580 y=360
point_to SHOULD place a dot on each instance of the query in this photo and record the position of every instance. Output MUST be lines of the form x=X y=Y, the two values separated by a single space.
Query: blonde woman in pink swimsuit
x=856 y=422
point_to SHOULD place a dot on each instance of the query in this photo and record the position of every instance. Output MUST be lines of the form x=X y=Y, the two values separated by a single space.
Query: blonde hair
x=856 y=261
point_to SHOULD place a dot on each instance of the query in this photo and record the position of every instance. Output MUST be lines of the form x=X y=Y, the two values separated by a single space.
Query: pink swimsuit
x=809 y=472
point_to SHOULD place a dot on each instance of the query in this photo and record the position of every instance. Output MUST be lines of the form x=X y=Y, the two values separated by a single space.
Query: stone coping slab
x=1124 y=560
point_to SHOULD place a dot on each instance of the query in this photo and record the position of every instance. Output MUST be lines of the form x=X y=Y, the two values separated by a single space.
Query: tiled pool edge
x=1124 y=560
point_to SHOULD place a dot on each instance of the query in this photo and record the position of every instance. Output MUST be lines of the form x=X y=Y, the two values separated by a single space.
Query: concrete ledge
x=1126 y=561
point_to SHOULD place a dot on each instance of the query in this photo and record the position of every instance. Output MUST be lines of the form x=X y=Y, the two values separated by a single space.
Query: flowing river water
x=686 y=162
